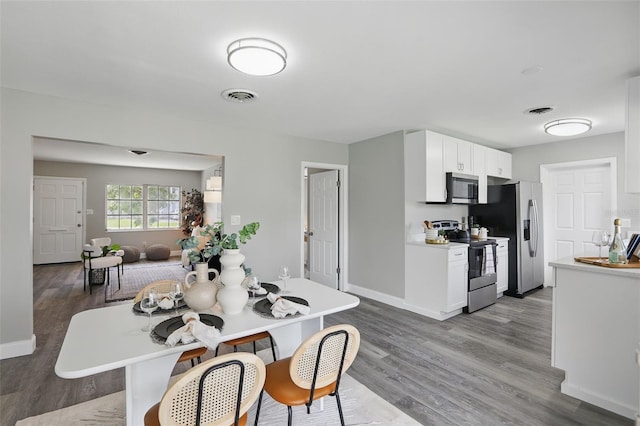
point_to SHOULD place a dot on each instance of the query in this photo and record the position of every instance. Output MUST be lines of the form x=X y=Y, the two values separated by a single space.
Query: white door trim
x=545 y=178
x=343 y=247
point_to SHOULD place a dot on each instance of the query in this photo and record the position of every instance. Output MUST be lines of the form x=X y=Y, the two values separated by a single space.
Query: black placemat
x=271 y=288
x=159 y=311
x=263 y=307
x=165 y=328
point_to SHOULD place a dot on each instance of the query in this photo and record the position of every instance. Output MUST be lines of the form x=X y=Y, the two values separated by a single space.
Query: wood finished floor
x=488 y=368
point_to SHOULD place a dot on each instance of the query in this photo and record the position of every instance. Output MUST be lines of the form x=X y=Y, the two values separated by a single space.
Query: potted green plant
x=218 y=241
x=232 y=297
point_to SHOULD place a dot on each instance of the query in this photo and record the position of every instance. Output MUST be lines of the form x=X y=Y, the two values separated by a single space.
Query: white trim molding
x=18 y=348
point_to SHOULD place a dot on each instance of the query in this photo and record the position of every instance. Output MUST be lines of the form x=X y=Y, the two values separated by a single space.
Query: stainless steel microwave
x=462 y=189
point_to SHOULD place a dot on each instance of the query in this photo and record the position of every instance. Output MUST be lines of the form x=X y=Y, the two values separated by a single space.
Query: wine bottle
x=617 y=251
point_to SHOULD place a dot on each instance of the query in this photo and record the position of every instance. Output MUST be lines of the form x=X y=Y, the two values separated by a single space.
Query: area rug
x=360 y=407
x=139 y=274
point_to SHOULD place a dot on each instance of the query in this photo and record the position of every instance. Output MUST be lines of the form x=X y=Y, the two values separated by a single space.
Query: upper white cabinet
x=428 y=156
x=480 y=170
x=424 y=174
x=458 y=155
x=498 y=163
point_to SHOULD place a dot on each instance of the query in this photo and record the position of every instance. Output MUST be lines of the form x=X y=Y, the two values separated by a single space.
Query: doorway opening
x=323 y=237
x=579 y=197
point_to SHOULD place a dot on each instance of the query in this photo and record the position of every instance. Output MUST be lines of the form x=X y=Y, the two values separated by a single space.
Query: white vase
x=201 y=294
x=232 y=296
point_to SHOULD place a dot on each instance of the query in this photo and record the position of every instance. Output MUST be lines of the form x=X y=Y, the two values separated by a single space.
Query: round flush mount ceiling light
x=257 y=56
x=568 y=126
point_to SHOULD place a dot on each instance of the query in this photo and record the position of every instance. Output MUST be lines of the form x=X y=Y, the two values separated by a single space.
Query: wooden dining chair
x=314 y=370
x=164 y=286
x=220 y=391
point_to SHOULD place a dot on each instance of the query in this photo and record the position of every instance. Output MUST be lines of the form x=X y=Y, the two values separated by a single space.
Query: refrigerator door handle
x=533 y=208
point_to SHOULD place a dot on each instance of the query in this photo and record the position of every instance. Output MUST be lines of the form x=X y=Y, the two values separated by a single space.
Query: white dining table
x=104 y=339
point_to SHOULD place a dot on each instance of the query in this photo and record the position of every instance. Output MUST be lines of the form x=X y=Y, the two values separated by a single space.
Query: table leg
x=289 y=337
x=145 y=383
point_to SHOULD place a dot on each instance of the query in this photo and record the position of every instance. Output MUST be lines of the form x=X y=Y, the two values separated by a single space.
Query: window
x=139 y=207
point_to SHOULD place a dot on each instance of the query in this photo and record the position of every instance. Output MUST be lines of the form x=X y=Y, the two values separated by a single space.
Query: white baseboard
x=398 y=302
x=19 y=348
x=376 y=295
x=175 y=253
x=603 y=401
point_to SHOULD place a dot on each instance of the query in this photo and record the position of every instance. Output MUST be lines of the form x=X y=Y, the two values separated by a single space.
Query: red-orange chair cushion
x=279 y=385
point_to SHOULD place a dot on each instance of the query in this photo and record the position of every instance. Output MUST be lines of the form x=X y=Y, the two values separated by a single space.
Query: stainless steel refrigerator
x=514 y=210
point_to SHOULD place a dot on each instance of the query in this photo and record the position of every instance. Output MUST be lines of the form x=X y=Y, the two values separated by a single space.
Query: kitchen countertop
x=448 y=246
x=570 y=263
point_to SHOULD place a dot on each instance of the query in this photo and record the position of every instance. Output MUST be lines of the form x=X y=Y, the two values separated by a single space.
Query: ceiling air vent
x=239 y=95
x=539 y=111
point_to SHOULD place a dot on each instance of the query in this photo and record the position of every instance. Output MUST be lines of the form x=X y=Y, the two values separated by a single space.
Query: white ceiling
x=357 y=69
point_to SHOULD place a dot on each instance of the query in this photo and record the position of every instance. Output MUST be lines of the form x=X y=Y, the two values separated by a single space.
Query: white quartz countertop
x=570 y=263
x=448 y=246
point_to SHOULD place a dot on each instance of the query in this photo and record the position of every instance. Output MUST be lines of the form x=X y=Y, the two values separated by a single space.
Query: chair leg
x=216 y=354
x=254 y=347
x=273 y=349
x=118 y=271
x=258 y=409
x=290 y=416
x=339 y=408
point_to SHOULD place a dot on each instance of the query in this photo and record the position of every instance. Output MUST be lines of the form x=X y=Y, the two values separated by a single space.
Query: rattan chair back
x=216 y=392
x=163 y=286
x=310 y=356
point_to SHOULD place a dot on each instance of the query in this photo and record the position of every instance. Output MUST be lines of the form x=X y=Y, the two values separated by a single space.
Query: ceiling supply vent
x=539 y=111
x=239 y=95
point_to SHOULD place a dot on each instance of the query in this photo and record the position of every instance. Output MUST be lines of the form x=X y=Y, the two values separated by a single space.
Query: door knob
x=311 y=234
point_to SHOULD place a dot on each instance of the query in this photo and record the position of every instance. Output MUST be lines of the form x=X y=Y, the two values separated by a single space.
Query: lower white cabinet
x=502 y=255
x=436 y=279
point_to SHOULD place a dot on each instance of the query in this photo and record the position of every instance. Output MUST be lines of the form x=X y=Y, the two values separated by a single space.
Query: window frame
x=144 y=216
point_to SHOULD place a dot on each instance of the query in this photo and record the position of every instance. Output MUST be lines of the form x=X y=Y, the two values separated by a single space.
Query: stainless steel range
x=482 y=276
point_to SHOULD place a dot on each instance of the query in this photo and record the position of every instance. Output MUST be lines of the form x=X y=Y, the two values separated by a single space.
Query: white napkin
x=194 y=330
x=165 y=302
x=281 y=307
x=259 y=291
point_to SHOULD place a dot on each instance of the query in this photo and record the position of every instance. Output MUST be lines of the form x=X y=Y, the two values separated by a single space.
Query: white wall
x=527 y=161
x=98 y=176
x=376 y=212
x=261 y=183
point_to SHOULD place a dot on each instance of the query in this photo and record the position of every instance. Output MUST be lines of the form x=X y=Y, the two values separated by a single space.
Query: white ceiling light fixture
x=257 y=56
x=568 y=126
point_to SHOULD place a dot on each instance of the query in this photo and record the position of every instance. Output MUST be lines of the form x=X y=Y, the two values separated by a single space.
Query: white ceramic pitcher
x=200 y=294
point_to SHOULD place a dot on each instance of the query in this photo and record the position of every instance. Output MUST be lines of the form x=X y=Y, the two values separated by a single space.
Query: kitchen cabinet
x=423 y=167
x=458 y=155
x=479 y=169
x=502 y=266
x=632 y=137
x=436 y=279
x=498 y=163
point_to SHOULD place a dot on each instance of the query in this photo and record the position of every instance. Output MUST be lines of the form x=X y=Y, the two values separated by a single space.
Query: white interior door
x=579 y=200
x=323 y=228
x=57 y=220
